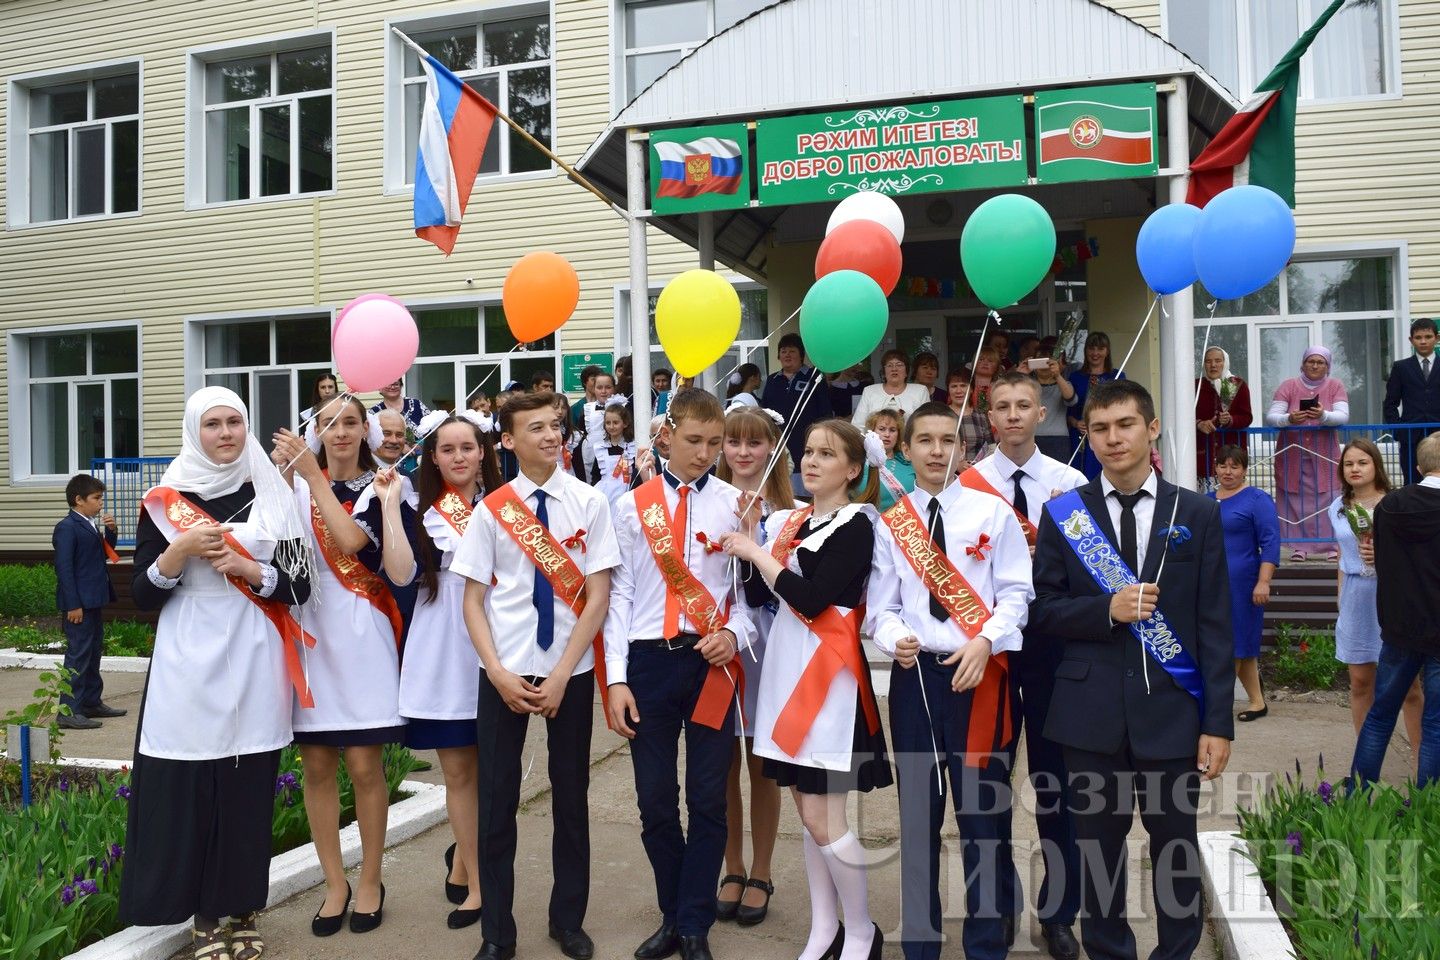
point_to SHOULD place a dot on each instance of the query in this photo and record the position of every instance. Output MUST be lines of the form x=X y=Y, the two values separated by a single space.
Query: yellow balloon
x=697 y=319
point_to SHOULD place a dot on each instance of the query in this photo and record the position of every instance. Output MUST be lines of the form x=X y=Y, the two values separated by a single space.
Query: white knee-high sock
x=824 y=909
x=846 y=860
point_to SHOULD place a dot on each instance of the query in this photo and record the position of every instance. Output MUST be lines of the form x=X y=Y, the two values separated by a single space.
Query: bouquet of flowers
x=1362 y=524
x=1228 y=389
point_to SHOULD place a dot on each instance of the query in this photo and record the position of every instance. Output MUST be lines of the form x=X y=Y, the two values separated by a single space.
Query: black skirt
x=197 y=838
x=369 y=737
x=869 y=764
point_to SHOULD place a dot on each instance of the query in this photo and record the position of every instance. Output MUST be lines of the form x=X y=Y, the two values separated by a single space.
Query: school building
x=191 y=192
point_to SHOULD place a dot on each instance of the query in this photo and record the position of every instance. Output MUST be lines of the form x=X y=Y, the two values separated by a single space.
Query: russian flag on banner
x=707 y=165
x=454 y=127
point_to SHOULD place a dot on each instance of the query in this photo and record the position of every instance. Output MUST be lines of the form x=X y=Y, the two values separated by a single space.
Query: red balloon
x=865 y=246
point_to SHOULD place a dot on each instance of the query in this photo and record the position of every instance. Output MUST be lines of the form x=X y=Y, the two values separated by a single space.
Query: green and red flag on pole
x=1258 y=144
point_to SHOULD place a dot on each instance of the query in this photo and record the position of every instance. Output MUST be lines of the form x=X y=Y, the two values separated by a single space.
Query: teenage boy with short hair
x=949 y=595
x=546 y=542
x=82 y=588
x=671 y=635
x=1141 y=703
x=1414 y=384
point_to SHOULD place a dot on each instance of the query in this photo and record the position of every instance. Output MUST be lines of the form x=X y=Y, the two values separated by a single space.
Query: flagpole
x=525 y=135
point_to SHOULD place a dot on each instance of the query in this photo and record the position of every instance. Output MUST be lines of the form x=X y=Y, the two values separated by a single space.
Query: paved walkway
x=622 y=908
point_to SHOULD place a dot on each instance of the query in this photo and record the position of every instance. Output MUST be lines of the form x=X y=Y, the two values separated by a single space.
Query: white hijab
x=1225 y=373
x=274 y=512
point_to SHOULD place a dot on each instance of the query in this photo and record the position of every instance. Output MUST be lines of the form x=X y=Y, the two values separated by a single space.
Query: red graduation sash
x=453 y=508
x=183 y=515
x=354 y=575
x=552 y=560
x=720 y=682
x=991 y=705
x=975 y=480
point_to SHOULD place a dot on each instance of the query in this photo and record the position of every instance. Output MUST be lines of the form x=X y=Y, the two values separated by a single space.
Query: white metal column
x=1177 y=337
x=636 y=199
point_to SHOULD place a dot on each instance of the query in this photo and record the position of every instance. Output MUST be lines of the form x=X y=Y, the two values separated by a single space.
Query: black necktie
x=1128 y=548
x=937 y=529
x=1021 y=504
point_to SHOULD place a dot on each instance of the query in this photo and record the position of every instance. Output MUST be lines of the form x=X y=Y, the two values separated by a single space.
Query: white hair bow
x=874 y=449
x=374 y=436
x=430 y=421
x=773 y=415
x=734 y=379
x=484 y=422
x=617 y=400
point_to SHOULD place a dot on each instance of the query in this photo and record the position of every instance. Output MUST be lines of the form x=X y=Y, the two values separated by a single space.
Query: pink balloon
x=363 y=298
x=376 y=345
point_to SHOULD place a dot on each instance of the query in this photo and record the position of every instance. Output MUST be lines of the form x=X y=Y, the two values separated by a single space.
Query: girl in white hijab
x=220 y=552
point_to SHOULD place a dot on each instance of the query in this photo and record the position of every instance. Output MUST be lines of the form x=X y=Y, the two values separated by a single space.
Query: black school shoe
x=102 y=709
x=660 y=944
x=76 y=721
x=365 y=922
x=575 y=944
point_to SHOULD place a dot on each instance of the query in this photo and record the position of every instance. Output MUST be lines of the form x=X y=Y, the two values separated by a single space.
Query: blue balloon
x=1244 y=239
x=1165 y=248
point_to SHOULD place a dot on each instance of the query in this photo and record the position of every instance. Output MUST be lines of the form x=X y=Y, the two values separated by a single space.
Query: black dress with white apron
x=214 y=717
x=828 y=567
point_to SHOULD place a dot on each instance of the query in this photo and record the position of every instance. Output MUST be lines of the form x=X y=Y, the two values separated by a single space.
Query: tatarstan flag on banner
x=1258 y=144
x=1096 y=133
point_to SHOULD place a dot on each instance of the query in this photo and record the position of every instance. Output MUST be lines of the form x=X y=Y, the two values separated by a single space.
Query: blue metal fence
x=126 y=479
x=1298 y=466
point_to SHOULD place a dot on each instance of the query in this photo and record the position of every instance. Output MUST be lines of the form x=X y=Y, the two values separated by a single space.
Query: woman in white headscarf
x=1222 y=409
x=220 y=552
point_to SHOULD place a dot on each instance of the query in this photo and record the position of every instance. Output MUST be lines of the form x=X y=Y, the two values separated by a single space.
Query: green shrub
x=1304 y=659
x=27 y=591
x=123 y=638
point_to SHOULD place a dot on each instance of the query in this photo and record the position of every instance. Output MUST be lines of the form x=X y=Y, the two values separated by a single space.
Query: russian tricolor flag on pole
x=454 y=128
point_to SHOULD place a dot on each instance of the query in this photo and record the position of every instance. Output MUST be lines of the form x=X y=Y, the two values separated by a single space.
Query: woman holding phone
x=1305 y=479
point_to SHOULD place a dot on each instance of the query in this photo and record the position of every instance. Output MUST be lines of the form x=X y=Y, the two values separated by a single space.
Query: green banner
x=1096 y=133
x=916 y=148
x=700 y=168
x=571 y=364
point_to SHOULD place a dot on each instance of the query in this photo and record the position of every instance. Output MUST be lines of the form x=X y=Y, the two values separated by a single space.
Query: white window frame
x=18 y=141
x=197 y=370
x=196 y=110
x=393 y=134
x=710 y=377
x=482 y=356
x=1247 y=79
x=18 y=354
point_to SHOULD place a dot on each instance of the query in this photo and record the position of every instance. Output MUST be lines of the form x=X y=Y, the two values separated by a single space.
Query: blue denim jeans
x=1394 y=676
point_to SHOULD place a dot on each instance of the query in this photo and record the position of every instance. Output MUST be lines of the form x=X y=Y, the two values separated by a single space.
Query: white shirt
x=637 y=591
x=1144 y=516
x=1043 y=476
x=874 y=398
x=899 y=603
x=487 y=552
x=1430 y=480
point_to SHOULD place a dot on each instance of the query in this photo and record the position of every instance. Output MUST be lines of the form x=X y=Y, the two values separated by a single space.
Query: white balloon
x=869 y=206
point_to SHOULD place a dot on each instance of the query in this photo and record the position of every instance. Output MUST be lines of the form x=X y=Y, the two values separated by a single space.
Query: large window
x=656 y=34
x=268 y=122
x=78 y=398
x=508 y=61
x=1347 y=305
x=1239 y=41
x=469 y=349
x=271 y=362
x=77 y=143
x=750 y=344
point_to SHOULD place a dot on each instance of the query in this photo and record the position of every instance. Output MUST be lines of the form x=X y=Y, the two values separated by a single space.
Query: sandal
x=748 y=916
x=211 y=944
x=245 y=942
x=726 y=909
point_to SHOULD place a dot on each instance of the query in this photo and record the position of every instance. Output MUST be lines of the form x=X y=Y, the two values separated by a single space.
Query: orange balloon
x=540 y=294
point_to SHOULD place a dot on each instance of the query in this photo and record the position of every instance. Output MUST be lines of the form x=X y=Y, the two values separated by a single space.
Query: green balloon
x=1006 y=248
x=843 y=319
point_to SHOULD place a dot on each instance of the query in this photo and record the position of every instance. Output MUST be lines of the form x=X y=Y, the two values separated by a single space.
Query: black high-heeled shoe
x=365 y=922
x=725 y=910
x=329 y=926
x=454 y=892
x=459 y=919
x=877 y=944
x=832 y=952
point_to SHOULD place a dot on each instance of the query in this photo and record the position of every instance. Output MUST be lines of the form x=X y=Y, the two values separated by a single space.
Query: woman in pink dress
x=1307 y=452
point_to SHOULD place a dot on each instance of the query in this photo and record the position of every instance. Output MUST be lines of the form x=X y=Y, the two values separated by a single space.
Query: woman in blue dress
x=1252 y=549
x=1098 y=367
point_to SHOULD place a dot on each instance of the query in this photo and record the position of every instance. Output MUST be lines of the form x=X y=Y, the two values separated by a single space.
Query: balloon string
x=780 y=447
x=766 y=340
x=965 y=399
x=1138 y=334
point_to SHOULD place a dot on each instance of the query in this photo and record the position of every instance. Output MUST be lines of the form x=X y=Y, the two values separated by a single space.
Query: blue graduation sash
x=1105 y=565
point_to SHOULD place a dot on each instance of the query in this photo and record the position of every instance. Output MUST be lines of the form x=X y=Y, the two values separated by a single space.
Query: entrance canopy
x=806 y=55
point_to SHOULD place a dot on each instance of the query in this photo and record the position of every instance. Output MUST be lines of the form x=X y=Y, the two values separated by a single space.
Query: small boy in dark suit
x=82 y=588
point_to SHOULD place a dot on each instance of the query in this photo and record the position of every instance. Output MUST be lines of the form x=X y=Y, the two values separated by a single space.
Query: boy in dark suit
x=82 y=588
x=1142 y=695
x=1414 y=384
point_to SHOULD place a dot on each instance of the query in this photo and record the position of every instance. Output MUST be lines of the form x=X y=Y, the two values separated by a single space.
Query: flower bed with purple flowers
x=1353 y=872
x=63 y=857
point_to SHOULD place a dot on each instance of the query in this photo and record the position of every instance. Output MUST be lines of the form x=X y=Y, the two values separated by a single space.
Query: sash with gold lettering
x=183 y=515
x=975 y=480
x=992 y=706
x=354 y=575
x=721 y=683
x=453 y=508
x=839 y=650
x=552 y=560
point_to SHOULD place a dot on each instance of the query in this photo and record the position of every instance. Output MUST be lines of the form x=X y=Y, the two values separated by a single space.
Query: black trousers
x=1104 y=789
x=84 y=642
x=501 y=734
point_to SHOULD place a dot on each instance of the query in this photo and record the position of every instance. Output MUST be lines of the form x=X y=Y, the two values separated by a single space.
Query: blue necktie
x=543 y=595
